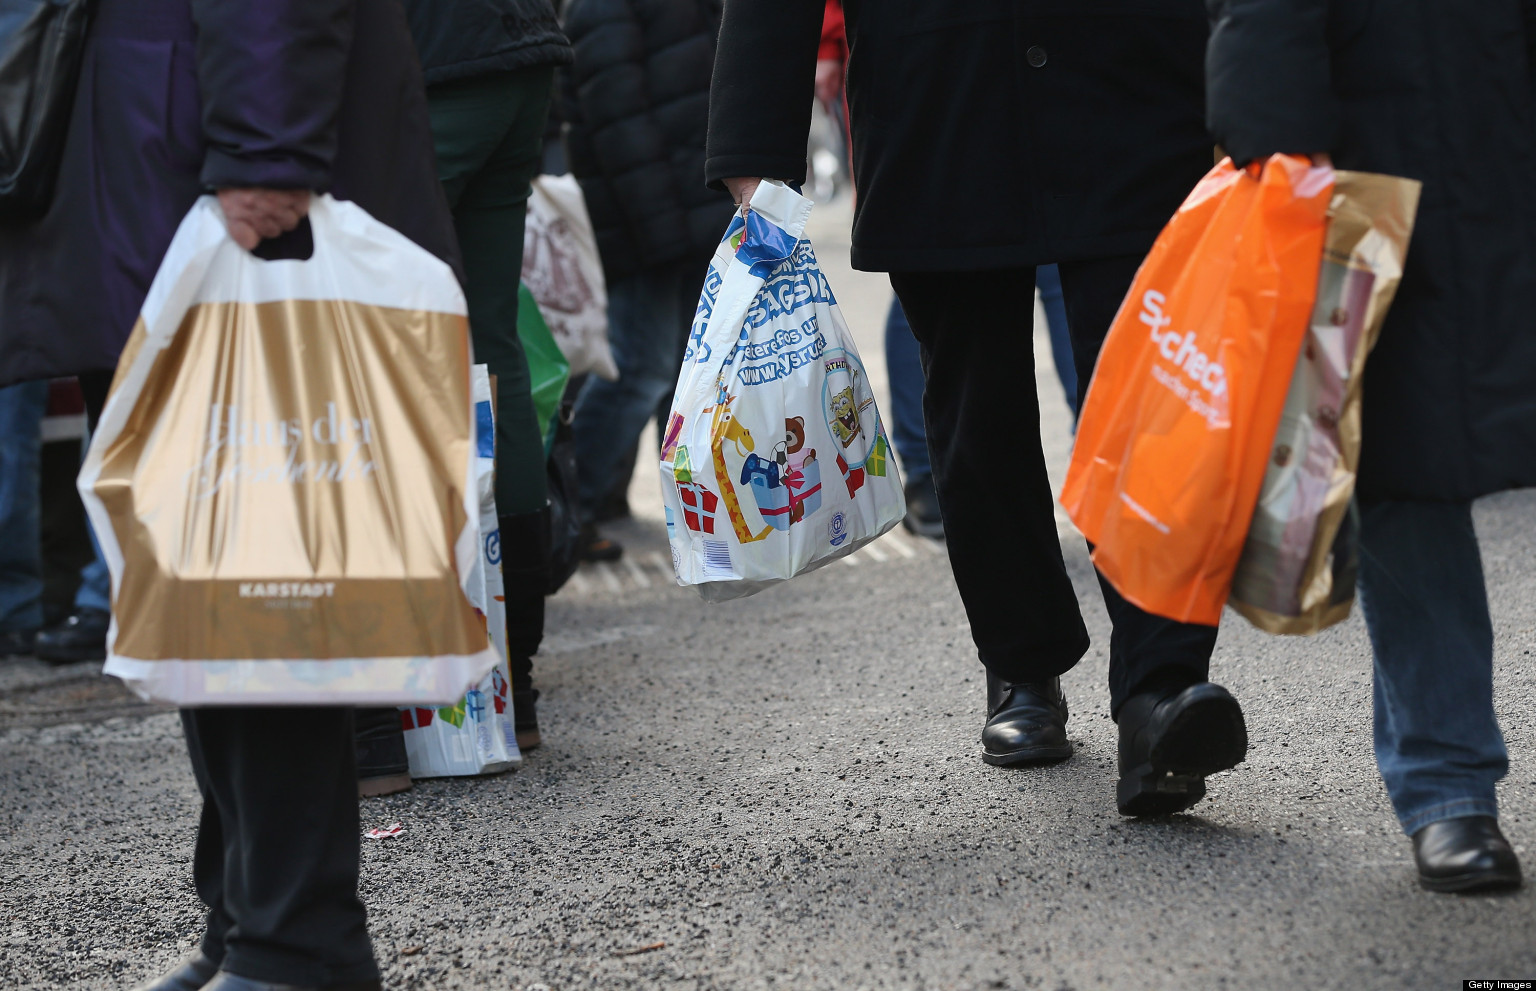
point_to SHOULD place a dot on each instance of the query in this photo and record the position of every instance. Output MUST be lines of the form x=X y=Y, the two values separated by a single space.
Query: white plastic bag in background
x=476 y=735
x=775 y=461
x=564 y=272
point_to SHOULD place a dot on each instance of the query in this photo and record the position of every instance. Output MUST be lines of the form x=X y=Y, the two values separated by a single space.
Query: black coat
x=178 y=96
x=986 y=133
x=458 y=39
x=1440 y=92
x=637 y=103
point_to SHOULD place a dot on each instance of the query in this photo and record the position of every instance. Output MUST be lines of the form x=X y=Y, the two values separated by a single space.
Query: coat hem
x=963 y=258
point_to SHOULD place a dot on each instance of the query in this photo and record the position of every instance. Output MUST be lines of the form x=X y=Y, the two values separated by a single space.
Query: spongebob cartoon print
x=845 y=417
x=853 y=419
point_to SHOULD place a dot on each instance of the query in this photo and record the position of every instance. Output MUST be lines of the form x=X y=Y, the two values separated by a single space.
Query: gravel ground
x=786 y=792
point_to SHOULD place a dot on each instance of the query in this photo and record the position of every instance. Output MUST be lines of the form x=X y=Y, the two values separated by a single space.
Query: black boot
x=81 y=637
x=1026 y=723
x=1465 y=854
x=190 y=975
x=525 y=572
x=1170 y=740
x=382 y=765
x=17 y=643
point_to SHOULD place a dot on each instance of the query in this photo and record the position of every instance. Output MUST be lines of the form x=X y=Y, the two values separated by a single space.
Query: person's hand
x=742 y=188
x=829 y=79
x=1322 y=160
x=253 y=215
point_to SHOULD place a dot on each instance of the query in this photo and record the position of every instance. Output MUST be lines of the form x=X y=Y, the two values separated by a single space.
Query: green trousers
x=488 y=132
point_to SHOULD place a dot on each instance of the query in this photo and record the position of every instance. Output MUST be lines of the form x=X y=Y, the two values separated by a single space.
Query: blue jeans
x=1438 y=744
x=649 y=316
x=21 y=563
x=1048 y=281
x=904 y=368
x=21 y=566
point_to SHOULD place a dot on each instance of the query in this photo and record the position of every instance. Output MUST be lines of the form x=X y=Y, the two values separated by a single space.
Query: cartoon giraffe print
x=725 y=427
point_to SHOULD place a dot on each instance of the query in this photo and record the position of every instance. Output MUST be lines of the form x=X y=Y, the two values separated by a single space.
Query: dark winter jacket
x=986 y=133
x=1440 y=92
x=637 y=102
x=462 y=38
x=179 y=96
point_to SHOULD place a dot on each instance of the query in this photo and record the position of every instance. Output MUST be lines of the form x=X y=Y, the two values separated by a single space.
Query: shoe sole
x=1208 y=735
x=1466 y=884
x=376 y=787
x=529 y=739
x=1033 y=756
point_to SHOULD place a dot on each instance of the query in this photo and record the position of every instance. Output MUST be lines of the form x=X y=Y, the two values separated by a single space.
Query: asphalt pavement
x=786 y=792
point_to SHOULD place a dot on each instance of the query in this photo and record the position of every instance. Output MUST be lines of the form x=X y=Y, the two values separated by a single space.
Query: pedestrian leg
x=488 y=131
x=1438 y=745
x=983 y=425
x=1147 y=653
x=643 y=329
x=280 y=789
x=21 y=566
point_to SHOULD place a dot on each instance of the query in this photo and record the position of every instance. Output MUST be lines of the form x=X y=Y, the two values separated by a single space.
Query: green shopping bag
x=548 y=369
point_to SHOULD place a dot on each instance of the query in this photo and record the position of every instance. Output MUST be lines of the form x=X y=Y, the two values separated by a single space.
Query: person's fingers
x=266 y=225
x=244 y=234
x=286 y=215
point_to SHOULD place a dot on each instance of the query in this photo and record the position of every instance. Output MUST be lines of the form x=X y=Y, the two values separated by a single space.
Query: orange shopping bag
x=1176 y=429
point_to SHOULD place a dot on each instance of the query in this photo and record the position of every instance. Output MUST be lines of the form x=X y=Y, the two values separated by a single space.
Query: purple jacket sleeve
x=272 y=75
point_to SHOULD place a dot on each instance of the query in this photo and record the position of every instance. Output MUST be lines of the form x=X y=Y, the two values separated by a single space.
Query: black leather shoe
x=225 y=981
x=1465 y=854
x=17 y=643
x=192 y=974
x=1026 y=723
x=81 y=637
x=923 y=516
x=1170 y=741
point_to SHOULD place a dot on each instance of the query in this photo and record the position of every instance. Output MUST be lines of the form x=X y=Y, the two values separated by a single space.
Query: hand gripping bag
x=282 y=481
x=477 y=734
x=775 y=460
x=1300 y=560
x=1176 y=428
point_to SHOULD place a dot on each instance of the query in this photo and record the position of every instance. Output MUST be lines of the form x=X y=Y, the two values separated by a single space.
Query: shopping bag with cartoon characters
x=476 y=734
x=775 y=460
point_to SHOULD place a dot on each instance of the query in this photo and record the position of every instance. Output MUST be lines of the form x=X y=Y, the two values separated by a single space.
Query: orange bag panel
x=1176 y=428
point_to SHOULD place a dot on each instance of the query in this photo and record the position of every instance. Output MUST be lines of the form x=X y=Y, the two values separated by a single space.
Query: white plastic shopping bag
x=283 y=482
x=475 y=735
x=564 y=272
x=775 y=461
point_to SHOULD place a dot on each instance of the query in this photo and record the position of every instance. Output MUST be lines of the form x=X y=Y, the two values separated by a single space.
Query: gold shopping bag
x=282 y=479
x=1299 y=562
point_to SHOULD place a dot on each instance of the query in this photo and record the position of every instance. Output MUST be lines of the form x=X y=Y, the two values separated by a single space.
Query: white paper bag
x=775 y=460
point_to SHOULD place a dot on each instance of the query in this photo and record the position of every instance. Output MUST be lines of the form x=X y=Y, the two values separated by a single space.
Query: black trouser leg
x=277 y=855
x=1145 y=651
x=525 y=575
x=983 y=421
